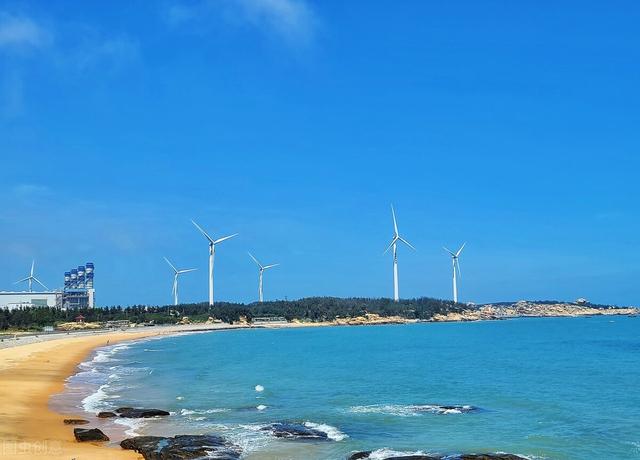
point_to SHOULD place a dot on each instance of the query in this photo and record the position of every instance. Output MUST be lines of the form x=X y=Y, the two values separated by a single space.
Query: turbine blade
x=206 y=235
x=407 y=243
x=40 y=283
x=175 y=283
x=186 y=270
x=458 y=267
x=220 y=240
x=23 y=280
x=255 y=260
x=450 y=252
x=33 y=264
x=461 y=248
x=270 y=266
x=171 y=265
x=395 y=238
x=395 y=223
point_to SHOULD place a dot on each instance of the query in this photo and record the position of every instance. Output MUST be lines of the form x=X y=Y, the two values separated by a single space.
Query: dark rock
x=490 y=457
x=182 y=447
x=365 y=455
x=290 y=430
x=106 y=414
x=130 y=412
x=89 y=434
x=75 y=421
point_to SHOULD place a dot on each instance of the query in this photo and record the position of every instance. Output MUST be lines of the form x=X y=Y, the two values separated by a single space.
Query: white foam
x=261 y=407
x=202 y=412
x=411 y=410
x=384 y=453
x=332 y=431
x=95 y=401
x=259 y=388
x=133 y=425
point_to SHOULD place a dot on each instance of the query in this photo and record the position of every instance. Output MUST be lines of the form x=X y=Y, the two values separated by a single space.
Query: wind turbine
x=261 y=268
x=212 y=253
x=394 y=243
x=456 y=270
x=176 y=273
x=30 y=279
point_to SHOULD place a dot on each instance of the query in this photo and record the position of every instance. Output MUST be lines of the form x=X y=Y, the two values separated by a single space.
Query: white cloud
x=292 y=20
x=21 y=33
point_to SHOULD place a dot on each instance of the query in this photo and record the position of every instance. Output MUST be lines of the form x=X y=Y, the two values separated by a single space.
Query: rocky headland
x=531 y=309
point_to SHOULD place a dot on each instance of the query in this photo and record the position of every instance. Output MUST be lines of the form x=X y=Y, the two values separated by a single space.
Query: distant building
x=582 y=301
x=14 y=300
x=78 y=287
x=78 y=292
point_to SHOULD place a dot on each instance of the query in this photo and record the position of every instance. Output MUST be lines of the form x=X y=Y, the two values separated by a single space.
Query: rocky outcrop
x=89 y=434
x=130 y=412
x=290 y=430
x=366 y=455
x=182 y=447
x=106 y=414
x=75 y=421
x=530 y=309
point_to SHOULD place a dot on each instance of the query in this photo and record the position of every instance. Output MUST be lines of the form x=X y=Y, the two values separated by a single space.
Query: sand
x=29 y=375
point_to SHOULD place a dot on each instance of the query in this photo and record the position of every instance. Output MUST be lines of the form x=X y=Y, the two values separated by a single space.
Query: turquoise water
x=557 y=388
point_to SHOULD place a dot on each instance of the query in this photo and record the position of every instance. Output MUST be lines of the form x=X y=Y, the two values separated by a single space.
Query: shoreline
x=30 y=428
x=30 y=374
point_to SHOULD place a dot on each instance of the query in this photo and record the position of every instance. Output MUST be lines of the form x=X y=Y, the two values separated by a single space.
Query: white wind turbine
x=394 y=242
x=212 y=253
x=177 y=273
x=456 y=270
x=30 y=279
x=261 y=268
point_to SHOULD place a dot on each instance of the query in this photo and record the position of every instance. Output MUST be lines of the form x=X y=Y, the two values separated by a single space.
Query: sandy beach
x=35 y=367
x=31 y=372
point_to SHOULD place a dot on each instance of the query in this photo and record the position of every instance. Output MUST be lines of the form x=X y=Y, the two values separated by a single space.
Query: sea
x=543 y=388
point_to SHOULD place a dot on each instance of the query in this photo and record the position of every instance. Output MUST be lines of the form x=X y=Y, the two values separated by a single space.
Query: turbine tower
x=212 y=253
x=176 y=273
x=456 y=270
x=30 y=279
x=261 y=268
x=394 y=245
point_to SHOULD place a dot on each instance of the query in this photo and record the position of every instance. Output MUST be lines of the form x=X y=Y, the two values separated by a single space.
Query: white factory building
x=13 y=300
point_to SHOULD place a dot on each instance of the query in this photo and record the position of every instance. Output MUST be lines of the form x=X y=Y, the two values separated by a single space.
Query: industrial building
x=78 y=287
x=78 y=292
x=13 y=300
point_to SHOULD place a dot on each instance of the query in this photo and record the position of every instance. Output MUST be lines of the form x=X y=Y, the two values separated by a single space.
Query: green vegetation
x=308 y=309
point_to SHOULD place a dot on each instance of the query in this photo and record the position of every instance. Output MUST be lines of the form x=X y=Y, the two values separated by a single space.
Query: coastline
x=30 y=373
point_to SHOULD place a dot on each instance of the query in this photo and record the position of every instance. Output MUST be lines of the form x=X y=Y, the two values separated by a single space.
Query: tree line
x=306 y=309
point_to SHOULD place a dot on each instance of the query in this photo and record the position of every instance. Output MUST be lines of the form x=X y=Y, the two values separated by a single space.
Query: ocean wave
x=384 y=453
x=411 y=410
x=331 y=431
x=203 y=412
x=133 y=425
x=95 y=402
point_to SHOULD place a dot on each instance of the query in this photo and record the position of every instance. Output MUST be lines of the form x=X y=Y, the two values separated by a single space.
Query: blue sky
x=510 y=125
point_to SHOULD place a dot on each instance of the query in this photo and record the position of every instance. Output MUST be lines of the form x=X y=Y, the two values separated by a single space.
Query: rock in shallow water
x=75 y=421
x=90 y=434
x=294 y=431
x=365 y=455
x=106 y=414
x=182 y=447
x=130 y=412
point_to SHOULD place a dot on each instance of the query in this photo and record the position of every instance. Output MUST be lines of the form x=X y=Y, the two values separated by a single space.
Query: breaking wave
x=412 y=410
